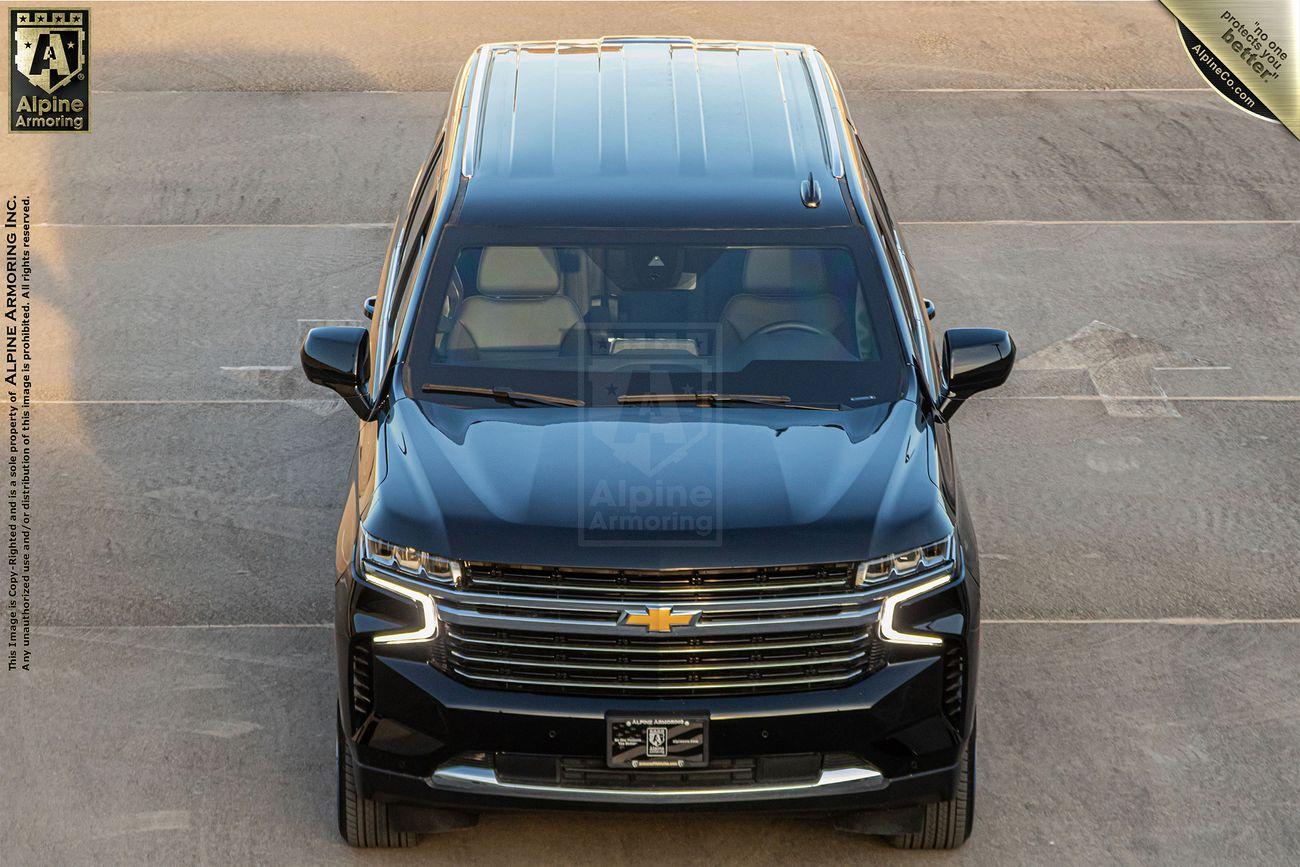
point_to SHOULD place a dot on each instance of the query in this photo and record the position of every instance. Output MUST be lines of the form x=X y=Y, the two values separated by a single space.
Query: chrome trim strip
x=449 y=613
x=654 y=668
x=701 y=590
x=484 y=780
x=613 y=608
x=695 y=651
x=655 y=687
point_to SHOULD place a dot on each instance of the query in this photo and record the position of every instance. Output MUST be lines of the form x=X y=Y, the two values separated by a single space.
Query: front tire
x=947 y=824
x=364 y=822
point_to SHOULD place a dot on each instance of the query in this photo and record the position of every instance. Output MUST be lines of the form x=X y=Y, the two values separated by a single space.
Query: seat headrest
x=779 y=271
x=518 y=272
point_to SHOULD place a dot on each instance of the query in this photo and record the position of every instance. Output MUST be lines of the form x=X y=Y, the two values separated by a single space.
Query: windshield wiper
x=711 y=399
x=503 y=395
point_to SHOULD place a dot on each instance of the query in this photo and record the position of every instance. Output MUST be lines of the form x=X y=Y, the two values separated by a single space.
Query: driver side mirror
x=338 y=357
x=974 y=360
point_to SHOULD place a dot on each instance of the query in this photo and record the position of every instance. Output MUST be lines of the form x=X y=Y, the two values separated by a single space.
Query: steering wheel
x=790 y=325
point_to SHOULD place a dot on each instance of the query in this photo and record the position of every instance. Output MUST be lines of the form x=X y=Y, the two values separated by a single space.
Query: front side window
x=598 y=322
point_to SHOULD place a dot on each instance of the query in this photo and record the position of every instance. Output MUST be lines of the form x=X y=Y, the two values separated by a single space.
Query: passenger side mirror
x=338 y=357
x=974 y=359
x=368 y=306
x=929 y=308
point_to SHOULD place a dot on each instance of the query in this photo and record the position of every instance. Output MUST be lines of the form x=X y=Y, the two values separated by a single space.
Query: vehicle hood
x=657 y=487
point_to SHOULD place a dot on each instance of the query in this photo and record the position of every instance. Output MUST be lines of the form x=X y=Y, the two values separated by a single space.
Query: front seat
x=785 y=293
x=518 y=310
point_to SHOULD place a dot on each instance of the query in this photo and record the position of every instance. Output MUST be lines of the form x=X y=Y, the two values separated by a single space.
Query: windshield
x=610 y=322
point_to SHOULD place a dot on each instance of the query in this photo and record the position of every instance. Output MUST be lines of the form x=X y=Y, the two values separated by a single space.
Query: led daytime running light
x=425 y=601
x=887 y=630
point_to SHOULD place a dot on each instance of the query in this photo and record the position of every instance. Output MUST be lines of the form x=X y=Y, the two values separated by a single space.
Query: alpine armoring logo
x=49 y=81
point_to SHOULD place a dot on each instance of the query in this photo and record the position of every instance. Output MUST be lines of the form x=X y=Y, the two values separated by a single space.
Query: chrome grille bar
x=750 y=662
x=633 y=667
x=665 y=650
x=770 y=621
x=573 y=583
x=524 y=587
x=703 y=687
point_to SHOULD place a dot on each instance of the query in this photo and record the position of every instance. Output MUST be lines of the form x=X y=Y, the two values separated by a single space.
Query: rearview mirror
x=338 y=357
x=974 y=360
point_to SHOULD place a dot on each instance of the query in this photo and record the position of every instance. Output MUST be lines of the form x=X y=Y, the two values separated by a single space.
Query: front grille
x=726 y=664
x=721 y=773
x=659 y=586
x=672 y=633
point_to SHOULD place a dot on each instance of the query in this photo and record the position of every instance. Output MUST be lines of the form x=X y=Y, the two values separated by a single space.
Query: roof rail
x=824 y=114
x=469 y=156
x=614 y=40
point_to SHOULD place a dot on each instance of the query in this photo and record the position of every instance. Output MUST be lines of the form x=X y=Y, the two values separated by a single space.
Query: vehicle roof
x=649 y=132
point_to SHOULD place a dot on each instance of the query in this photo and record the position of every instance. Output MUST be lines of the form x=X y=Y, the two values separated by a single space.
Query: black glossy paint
x=505 y=485
x=974 y=360
x=337 y=357
x=509 y=484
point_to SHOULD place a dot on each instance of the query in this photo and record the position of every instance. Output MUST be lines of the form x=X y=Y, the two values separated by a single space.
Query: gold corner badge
x=659 y=619
x=49 y=79
x=1248 y=51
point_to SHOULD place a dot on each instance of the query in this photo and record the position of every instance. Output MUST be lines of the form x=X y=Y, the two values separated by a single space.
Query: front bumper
x=412 y=748
x=423 y=738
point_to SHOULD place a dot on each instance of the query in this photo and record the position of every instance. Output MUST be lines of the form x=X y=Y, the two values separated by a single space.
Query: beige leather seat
x=782 y=287
x=518 y=309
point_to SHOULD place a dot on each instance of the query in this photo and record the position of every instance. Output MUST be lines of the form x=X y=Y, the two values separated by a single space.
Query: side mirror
x=974 y=359
x=368 y=306
x=929 y=308
x=338 y=357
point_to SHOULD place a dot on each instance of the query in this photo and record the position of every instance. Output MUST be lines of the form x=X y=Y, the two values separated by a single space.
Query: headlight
x=897 y=566
x=428 y=610
x=887 y=629
x=410 y=561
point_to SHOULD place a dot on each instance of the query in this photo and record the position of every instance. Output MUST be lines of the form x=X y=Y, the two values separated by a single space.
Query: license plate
x=646 y=741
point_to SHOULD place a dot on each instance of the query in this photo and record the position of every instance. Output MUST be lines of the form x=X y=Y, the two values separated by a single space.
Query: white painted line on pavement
x=254 y=92
x=190 y=626
x=212 y=225
x=1038 y=90
x=177 y=401
x=1187 y=398
x=1147 y=621
x=1098 y=222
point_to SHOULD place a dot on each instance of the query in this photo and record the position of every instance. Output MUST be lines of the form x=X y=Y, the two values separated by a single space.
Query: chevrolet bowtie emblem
x=659 y=619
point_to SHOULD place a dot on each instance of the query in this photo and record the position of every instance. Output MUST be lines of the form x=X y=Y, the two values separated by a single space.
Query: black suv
x=654 y=504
